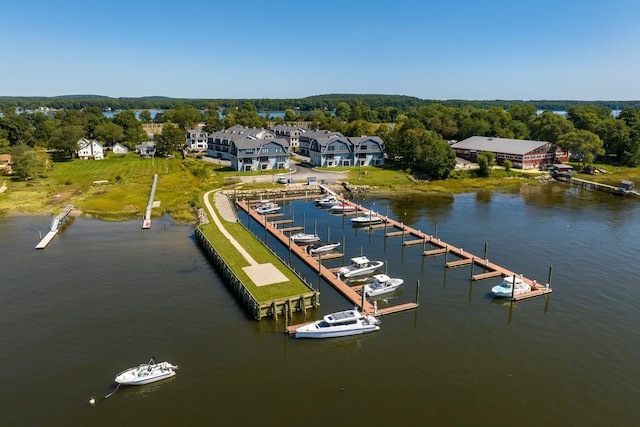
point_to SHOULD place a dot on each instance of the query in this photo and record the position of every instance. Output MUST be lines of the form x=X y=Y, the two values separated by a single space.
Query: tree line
x=416 y=137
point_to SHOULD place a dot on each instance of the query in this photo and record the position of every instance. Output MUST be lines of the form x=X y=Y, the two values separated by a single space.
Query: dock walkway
x=56 y=223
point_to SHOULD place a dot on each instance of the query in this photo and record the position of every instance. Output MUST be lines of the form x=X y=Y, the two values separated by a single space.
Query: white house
x=196 y=140
x=119 y=148
x=90 y=149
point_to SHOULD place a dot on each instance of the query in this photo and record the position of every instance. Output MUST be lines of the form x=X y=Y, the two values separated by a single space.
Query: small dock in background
x=146 y=222
x=56 y=223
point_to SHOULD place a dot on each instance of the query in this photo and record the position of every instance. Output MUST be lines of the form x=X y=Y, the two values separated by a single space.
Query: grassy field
x=294 y=286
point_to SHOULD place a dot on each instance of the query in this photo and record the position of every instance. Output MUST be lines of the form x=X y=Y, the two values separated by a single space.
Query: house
x=305 y=138
x=196 y=140
x=524 y=154
x=6 y=164
x=290 y=133
x=250 y=154
x=347 y=151
x=219 y=143
x=90 y=150
x=119 y=148
x=146 y=149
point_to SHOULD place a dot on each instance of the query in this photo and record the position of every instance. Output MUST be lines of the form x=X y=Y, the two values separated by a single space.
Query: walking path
x=260 y=274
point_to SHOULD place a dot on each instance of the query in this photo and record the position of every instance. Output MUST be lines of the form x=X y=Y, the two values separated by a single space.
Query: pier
x=56 y=223
x=410 y=237
x=146 y=222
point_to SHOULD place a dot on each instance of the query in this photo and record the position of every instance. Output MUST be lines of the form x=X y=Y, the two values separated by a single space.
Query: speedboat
x=341 y=208
x=382 y=284
x=267 y=208
x=340 y=324
x=322 y=247
x=327 y=201
x=360 y=266
x=299 y=238
x=366 y=219
x=146 y=373
x=503 y=290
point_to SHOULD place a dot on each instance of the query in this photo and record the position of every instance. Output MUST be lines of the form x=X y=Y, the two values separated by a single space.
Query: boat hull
x=336 y=333
x=146 y=374
x=347 y=273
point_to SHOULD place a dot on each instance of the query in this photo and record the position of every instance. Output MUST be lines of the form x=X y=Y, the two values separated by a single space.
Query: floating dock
x=56 y=223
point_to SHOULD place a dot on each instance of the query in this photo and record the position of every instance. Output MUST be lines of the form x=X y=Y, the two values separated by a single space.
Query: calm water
x=106 y=296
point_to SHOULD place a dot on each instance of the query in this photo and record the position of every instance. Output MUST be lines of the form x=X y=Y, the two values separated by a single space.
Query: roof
x=498 y=145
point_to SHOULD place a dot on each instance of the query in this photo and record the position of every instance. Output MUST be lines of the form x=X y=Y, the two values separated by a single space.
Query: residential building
x=219 y=143
x=250 y=153
x=347 y=151
x=6 y=164
x=196 y=140
x=305 y=138
x=90 y=150
x=291 y=134
x=524 y=154
x=146 y=149
x=119 y=148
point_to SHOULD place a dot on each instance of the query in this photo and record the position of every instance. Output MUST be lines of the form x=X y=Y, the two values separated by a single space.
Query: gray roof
x=312 y=134
x=251 y=142
x=498 y=145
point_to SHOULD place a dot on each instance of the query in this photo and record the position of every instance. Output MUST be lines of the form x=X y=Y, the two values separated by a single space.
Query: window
x=265 y=150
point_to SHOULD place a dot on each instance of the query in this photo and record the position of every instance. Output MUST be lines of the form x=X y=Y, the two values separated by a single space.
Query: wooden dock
x=56 y=223
x=315 y=263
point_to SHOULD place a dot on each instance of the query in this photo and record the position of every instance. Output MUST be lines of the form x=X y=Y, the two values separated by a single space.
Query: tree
x=507 y=164
x=485 y=161
x=26 y=162
x=65 y=139
x=185 y=116
x=145 y=116
x=17 y=129
x=549 y=126
x=170 y=140
x=289 y=115
x=133 y=131
x=586 y=143
x=343 y=111
x=109 y=132
x=212 y=122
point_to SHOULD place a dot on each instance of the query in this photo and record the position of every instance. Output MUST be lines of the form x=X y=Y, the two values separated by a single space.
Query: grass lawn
x=294 y=286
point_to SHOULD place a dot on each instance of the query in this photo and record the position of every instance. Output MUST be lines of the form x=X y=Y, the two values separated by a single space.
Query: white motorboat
x=360 y=266
x=503 y=290
x=322 y=247
x=146 y=373
x=267 y=208
x=342 y=208
x=327 y=201
x=366 y=219
x=340 y=324
x=382 y=284
x=300 y=238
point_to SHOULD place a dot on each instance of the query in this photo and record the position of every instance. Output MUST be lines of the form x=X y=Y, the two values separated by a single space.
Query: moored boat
x=300 y=238
x=366 y=219
x=146 y=373
x=360 y=266
x=382 y=284
x=322 y=247
x=504 y=289
x=341 y=208
x=340 y=324
x=267 y=208
x=327 y=201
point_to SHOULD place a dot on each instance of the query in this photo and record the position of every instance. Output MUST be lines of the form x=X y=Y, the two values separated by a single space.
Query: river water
x=106 y=296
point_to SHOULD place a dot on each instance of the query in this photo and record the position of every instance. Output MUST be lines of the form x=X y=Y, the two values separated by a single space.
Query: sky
x=430 y=49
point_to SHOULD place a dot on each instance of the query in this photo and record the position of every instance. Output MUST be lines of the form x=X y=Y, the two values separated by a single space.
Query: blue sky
x=445 y=49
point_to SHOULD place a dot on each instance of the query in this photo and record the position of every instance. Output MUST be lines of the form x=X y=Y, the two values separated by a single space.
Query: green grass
x=294 y=286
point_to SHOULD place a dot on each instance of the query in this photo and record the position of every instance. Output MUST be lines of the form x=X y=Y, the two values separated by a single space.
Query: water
x=106 y=296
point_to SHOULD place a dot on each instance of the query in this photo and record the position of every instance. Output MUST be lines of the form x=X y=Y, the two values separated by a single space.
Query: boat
x=382 y=284
x=366 y=219
x=327 y=201
x=146 y=373
x=267 y=208
x=503 y=290
x=299 y=238
x=322 y=247
x=360 y=266
x=340 y=324
x=342 y=207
